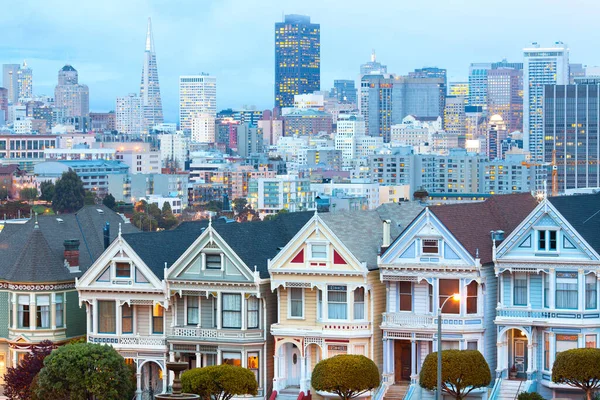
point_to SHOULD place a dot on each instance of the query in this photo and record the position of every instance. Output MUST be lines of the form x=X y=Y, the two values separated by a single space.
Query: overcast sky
x=233 y=40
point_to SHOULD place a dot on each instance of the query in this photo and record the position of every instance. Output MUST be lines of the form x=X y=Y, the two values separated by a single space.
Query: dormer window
x=548 y=240
x=213 y=261
x=430 y=246
x=123 y=270
x=318 y=251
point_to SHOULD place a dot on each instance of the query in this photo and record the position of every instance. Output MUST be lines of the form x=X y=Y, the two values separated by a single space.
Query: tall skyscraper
x=454 y=115
x=25 y=82
x=543 y=66
x=129 y=114
x=203 y=128
x=197 y=96
x=505 y=96
x=297 y=58
x=458 y=89
x=478 y=80
x=344 y=91
x=373 y=67
x=150 y=88
x=572 y=129
x=3 y=105
x=71 y=98
x=10 y=81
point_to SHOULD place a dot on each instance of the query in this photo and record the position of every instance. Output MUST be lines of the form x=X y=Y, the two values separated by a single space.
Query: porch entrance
x=518 y=354
x=293 y=365
x=402 y=360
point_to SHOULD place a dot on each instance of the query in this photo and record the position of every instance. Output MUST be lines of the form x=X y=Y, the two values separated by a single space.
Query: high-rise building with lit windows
x=297 y=58
x=10 y=81
x=197 y=96
x=543 y=66
x=71 y=98
x=478 y=80
x=505 y=96
x=149 y=87
x=25 y=82
x=129 y=114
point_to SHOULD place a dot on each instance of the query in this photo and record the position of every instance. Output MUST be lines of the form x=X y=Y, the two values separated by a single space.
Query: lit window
x=234 y=359
x=157 y=319
x=253 y=364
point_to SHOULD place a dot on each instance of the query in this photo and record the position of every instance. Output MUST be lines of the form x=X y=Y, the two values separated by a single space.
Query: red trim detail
x=299 y=258
x=337 y=259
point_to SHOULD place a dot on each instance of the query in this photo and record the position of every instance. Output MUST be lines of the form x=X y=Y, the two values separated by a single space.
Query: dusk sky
x=233 y=40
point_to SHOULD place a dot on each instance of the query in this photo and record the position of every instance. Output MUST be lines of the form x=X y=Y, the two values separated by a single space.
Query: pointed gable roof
x=471 y=223
x=583 y=213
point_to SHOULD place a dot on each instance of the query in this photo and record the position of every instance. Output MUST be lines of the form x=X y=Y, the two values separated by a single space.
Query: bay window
x=590 y=341
x=337 y=307
x=253 y=365
x=127 y=318
x=405 y=296
x=591 y=292
x=253 y=312
x=232 y=358
x=158 y=314
x=447 y=288
x=520 y=289
x=232 y=311
x=23 y=301
x=192 y=310
x=566 y=290
x=59 y=310
x=359 y=303
x=296 y=302
x=472 y=298
x=565 y=342
x=106 y=316
x=42 y=311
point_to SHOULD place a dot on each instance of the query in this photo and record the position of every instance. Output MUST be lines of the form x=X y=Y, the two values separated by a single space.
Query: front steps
x=396 y=391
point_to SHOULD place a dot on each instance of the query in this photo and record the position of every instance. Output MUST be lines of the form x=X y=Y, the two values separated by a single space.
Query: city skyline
x=201 y=40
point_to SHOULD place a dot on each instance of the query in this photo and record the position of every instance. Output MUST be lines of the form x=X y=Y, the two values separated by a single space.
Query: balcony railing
x=190 y=332
x=121 y=341
x=415 y=321
x=544 y=315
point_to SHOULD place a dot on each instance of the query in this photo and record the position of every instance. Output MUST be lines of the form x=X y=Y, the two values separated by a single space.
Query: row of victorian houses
x=278 y=296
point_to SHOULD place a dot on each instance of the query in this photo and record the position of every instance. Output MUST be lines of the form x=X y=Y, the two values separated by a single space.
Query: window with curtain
x=318 y=251
x=546 y=351
x=23 y=311
x=566 y=290
x=252 y=304
x=546 y=290
x=337 y=302
x=234 y=359
x=296 y=309
x=254 y=365
x=565 y=342
x=590 y=341
x=59 y=309
x=359 y=303
x=192 y=310
x=447 y=288
x=472 y=297
x=158 y=314
x=106 y=317
x=42 y=311
x=591 y=291
x=520 y=289
x=232 y=310
x=405 y=296
x=127 y=318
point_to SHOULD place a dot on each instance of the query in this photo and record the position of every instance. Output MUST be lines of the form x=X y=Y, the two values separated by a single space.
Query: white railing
x=449 y=321
x=529 y=314
x=129 y=340
x=214 y=334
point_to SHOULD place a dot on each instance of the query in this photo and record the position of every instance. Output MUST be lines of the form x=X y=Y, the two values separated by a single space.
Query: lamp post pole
x=438 y=394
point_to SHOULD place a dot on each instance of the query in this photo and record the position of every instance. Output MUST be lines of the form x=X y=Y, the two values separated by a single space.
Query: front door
x=293 y=378
x=520 y=356
x=402 y=359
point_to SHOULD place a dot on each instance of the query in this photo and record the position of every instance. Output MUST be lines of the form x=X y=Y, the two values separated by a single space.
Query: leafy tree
x=346 y=375
x=154 y=211
x=90 y=198
x=140 y=206
x=167 y=219
x=144 y=222
x=529 y=396
x=462 y=372
x=239 y=204
x=84 y=371
x=579 y=368
x=219 y=382
x=18 y=380
x=68 y=193
x=47 y=189
x=109 y=201
x=28 y=194
x=214 y=205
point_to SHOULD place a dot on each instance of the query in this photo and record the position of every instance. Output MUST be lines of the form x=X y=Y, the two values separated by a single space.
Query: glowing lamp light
x=456 y=297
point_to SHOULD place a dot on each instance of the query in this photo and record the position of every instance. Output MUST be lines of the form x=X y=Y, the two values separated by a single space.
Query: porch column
x=243 y=313
x=95 y=317
x=552 y=289
x=171 y=374
x=530 y=359
x=165 y=379
x=88 y=315
x=551 y=337
x=581 y=284
x=500 y=355
x=219 y=356
x=413 y=360
x=303 y=374
x=199 y=360
x=138 y=391
x=219 y=312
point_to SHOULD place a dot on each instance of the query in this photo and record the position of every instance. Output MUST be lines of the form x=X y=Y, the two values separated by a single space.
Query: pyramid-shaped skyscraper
x=150 y=88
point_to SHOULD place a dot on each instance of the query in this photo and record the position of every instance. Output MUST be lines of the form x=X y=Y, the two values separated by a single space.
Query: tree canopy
x=109 y=201
x=18 y=380
x=28 y=193
x=47 y=189
x=462 y=372
x=68 y=193
x=346 y=375
x=219 y=382
x=85 y=371
x=239 y=204
x=579 y=368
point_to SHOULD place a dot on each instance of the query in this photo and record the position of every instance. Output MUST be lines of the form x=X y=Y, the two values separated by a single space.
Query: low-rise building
x=284 y=192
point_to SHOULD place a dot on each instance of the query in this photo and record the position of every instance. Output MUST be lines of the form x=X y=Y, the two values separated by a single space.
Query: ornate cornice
x=36 y=287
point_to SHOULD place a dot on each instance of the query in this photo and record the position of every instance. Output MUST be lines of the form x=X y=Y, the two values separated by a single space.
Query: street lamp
x=438 y=395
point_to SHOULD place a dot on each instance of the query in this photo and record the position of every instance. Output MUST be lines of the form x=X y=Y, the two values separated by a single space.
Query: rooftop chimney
x=387 y=239
x=72 y=254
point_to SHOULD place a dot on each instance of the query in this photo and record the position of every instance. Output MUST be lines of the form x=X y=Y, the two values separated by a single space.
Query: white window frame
x=439 y=247
x=512 y=292
x=289 y=293
x=546 y=249
x=318 y=243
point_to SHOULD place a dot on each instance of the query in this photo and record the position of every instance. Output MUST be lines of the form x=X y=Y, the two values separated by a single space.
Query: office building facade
x=505 y=96
x=129 y=115
x=197 y=95
x=10 y=80
x=72 y=98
